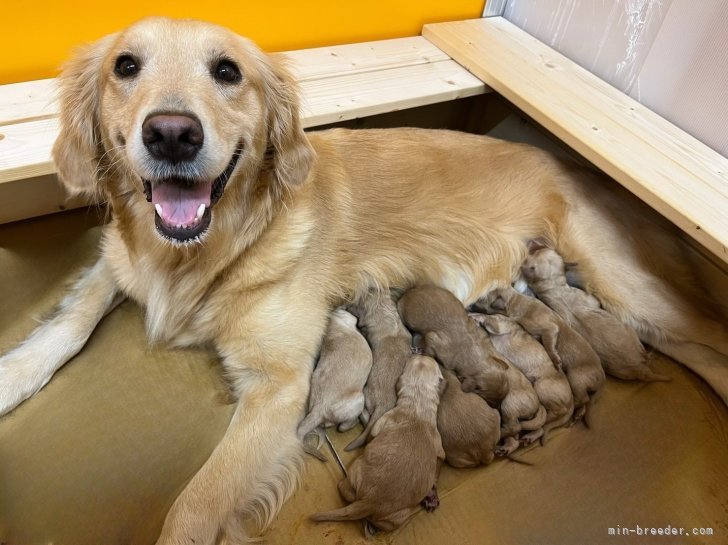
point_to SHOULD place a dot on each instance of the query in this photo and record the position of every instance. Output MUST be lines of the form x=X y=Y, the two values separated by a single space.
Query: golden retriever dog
x=235 y=229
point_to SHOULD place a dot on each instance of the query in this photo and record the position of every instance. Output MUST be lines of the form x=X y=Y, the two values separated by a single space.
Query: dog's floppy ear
x=292 y=154
x=78 y=147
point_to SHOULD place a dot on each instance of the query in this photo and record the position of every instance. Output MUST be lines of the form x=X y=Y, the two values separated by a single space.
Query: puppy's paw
x=431 y=501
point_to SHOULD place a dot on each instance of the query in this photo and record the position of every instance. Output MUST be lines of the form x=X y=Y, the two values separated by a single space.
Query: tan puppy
x=618 y=346
x=391 y=348
x=567 y=349
x=468 y=426
x=521 y=413
x=228 y=223
x=526 y=353
x=400 y=465
x=338 y=380
x=455 y=341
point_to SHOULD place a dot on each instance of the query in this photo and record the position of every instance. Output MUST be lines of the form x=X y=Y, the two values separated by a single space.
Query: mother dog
x=234 y=228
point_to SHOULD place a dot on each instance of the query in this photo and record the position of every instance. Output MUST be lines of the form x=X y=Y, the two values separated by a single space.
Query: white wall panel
x=671 y=55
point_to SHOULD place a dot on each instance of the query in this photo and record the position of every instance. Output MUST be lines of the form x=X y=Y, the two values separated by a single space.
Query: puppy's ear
x=573 y=274
x=78 y=148
x=442 y=386
x=537 y=244
x=292 y=155
x=498 y=303
x=468 y=385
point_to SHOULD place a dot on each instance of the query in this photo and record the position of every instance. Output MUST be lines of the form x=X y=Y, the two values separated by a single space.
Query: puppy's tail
x=314 y=450
x=354 y=511
x=536 y=422
x=559 y=422
x=361 y=440
x=645 y=374
x=308 y=426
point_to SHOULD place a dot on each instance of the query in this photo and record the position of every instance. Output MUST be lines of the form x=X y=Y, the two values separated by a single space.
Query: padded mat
x=99 y=454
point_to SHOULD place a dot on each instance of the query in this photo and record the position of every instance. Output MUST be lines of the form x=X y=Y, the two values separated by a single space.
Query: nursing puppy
x=527 y=354
x=455 y=341
x=228 y=224
x=618 y=346
x=399 y=467
x=391 y=348
x=567 y=349
x=521 y=413
x=468 y=426
x=338 y=380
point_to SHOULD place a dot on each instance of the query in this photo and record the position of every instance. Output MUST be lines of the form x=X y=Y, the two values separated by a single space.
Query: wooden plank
x=25 y=147
x=27 y=101
x=676 y=174
x=33 y=197
x=359 y=95
x=325 y=62
x=32 y=100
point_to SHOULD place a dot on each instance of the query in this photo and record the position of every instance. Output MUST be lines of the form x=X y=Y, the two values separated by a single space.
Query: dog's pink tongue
x=179 y=205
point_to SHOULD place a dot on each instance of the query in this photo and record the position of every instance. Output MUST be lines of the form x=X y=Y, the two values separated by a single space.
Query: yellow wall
x=35 y=37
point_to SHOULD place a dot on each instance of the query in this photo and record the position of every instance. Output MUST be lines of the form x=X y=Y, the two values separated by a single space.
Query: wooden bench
x=337 y=83
x=670 y=170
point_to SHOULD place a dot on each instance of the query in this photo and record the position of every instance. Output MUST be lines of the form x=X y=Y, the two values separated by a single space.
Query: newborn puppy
x=455 y=341
x=337 y=382
x=468 y=426
x=568 y=350
x=526 y=353
x=521 y=412
x=618 y=346
x=399 y=467
x=391 y=348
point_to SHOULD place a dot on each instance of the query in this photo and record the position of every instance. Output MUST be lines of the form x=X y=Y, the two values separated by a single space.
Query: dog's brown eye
x=126 y=66
x=227 y=72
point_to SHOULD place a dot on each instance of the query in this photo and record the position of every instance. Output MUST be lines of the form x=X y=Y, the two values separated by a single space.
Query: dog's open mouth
x=183 y=206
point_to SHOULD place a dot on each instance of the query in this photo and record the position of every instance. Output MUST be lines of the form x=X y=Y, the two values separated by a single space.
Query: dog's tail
x=354 y=511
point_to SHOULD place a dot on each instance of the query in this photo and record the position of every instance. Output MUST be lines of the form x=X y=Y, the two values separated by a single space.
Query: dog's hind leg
x=28 y=367
x=635 y=266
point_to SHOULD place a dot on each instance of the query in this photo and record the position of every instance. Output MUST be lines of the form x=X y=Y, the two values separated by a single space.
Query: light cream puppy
x=468 y=426
x=338 y=380
x=455 y=341
x=618 y=346
x=391 y=348
x=568 y=350
x=400 y=465
x=526 y=353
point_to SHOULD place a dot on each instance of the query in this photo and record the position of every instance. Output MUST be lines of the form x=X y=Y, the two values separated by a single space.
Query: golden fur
x=308 y=221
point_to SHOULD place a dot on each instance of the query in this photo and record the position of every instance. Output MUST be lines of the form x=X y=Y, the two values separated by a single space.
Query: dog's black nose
x=174 y=138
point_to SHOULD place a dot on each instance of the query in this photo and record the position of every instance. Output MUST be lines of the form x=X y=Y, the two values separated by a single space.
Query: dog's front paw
x=20 y=378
